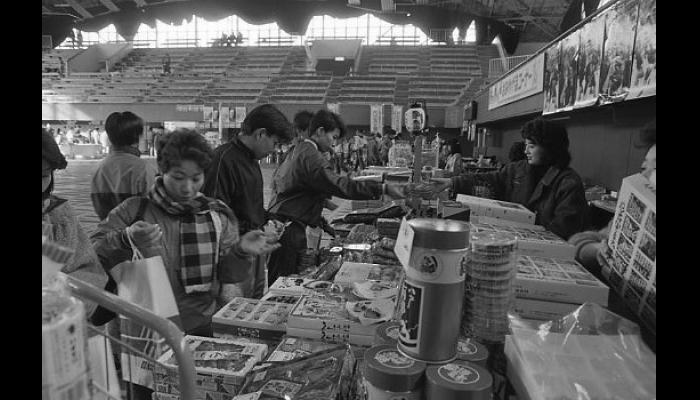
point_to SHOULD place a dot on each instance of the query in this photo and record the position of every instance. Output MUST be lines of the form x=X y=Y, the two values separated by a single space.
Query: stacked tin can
x=489 y=286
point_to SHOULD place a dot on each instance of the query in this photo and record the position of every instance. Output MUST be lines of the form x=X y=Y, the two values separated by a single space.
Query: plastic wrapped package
x=401 y=154
x=591 y=353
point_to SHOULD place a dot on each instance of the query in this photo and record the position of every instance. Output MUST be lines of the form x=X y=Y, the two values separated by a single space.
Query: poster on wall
x=231 y=116
x=208 y=113
x=590 y=54
x=616 y=68
x=551 y=79
x=525 y=81
x=644 y=65
x=224 y=114
x=240 y=116
x=396 y=117
x=333 y=107
x=568 y=71
x=376 y=118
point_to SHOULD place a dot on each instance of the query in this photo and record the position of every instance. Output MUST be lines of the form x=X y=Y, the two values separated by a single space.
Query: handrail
x=170 y=332
x=501 y=66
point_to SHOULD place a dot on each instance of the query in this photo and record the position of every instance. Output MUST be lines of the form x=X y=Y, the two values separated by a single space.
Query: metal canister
x=433 y=290
x=458 y=380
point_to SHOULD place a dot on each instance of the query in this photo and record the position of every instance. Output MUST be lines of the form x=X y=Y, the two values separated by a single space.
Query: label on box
x=410 y=334
x=404 y=243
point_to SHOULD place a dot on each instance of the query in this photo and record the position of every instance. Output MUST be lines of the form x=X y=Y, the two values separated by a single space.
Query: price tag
x=404 y=243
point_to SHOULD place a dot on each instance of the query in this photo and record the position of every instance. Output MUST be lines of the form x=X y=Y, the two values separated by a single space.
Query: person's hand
x=329 y=205
x=327 y=227
x=145 y=234
x=257 y=242
x=395 y=190
x=441 y=184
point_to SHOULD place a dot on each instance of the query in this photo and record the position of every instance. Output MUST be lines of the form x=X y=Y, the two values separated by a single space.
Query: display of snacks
x=534 y=240
x=291 y=347
x=323 y=375
x=291 y=285
x=281 y=298
x=362 y=233
x=357 y=252
x=387 y=333
x=351 y=272
x=497 y=209
x=489 y=290
x=388 y=227
x=565 y=281
x=266 y=319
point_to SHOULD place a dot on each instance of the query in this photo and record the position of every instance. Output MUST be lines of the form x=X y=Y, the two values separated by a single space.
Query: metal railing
x=500 y=66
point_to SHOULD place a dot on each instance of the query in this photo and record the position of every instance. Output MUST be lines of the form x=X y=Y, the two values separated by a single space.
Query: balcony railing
x=499 y=66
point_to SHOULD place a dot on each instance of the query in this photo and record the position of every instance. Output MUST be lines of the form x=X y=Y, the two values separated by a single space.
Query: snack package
x=324 y=375
x=351 y=272
x=591 y=353
x=291 y=347
x=261 y=319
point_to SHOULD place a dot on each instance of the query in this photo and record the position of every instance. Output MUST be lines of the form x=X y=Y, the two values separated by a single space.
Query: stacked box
x=250 y=317
x=351 y=272
x=631 y=259
x=533 y=241
x=556 y=280
x=497 y=209
x=360 y=204
x=291 y=347
x=388 y=227
x=221 y=367
x=454 y=210
x=291 y=286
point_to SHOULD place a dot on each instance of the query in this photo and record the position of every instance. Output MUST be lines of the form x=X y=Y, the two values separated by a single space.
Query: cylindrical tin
x=470 y=350
x=387 y=333
x=433 y=290
x=458 y=380
x=389 y=374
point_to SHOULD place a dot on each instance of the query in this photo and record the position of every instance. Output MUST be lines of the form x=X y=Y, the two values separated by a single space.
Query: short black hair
x=517 y=151
x=124 y=128
x=552 y=136
x=51 y=152
x=271 y=119
x=328 y=121
x=302 y=120
x=647 y=135
x=454 y=146
x=183 y=144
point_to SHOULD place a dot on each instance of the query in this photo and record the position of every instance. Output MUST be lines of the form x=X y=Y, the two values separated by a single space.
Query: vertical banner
x=224 y=115
x=396 y=117
x=616 y=69
x=568 y=69
x=644 y=66
x=208 y=113
x=240 y=115
x=524 y=81
x=590 y=54
x=551 y=79
x=333 y=107
x=376 y=118
x=231 y=116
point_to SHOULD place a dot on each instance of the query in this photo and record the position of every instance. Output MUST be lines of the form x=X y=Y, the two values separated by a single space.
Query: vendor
x=543 y=182
x=302 y=184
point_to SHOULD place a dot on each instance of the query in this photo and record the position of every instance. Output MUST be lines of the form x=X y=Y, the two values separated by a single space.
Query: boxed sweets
x=221 y=366
x=351 y=272
x=631 y=257
x=533 y=241
x=291 y=347
x=293 y=286
x=542 y=310
x=449 y=209
x=556 y=280
x=281 y=298
x=324 y=375
x=250 y=317
x=505 y=210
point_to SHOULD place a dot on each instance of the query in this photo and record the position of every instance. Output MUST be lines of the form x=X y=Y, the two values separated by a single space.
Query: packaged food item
x=291 y=347
x=533 y=240
x=470 y=350
x=389 y=374
x=372 y=290
x=387 y=333
x=505 y=210
x=351 y=272
x=357 y=252
x=258 y=318
x=458 y=380
x=291 y=285
x=388 y=227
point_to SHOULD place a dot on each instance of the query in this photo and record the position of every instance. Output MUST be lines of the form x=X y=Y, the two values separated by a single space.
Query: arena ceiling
x=514 y=20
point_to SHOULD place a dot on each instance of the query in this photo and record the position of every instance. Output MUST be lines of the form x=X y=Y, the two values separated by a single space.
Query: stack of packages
x=261 y=319
x=221 y=366
x=360 y=204
x=383 y=252
x=495 y=209
x=388 y=227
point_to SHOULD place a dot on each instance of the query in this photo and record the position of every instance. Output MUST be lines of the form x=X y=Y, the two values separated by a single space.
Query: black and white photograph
x=568 y=71
x=616 y=68
x=552 y=75
x=644 y=66
x=589 y=59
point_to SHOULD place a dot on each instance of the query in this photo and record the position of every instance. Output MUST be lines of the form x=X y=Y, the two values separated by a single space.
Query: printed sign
x=525 y=81
x=409 y=333
x=376 y=117
x=404 y=243
x=396 y=117
x=240 y=116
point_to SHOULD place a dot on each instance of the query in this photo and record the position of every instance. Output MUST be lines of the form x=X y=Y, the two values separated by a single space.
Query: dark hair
x=123 y=129
x=454 y=146
x=271 y=119
x=328 y=121
x=647 y=135
x=552 y=136
x=302 y=120
x=183 y=144
x=51 y=152
x=517 y=151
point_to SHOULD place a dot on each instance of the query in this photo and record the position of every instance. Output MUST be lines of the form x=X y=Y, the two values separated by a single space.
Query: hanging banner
x=208 y=113
x=616 y=69
x=551 y=79
x=525 y=81
x=590 y=54
x=240 y=116
x=568 y=69
x=170 y=126
x=224 y=116
x=396 y=117
x=644 y=66
x=333 y=107
x=376 y=118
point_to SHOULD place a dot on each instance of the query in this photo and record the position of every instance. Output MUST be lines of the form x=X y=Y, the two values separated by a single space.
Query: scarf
x=197 y=235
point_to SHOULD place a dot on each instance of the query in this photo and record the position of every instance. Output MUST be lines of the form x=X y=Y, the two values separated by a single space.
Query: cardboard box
x=631 y=269
x=335 y=337
x=262 y=319
x=497 y=209
x=454 y=210
x=564 y=281
x=351 y=272
x=533 y=241
x=542 y=310
x=291 y=347
x=328 y=317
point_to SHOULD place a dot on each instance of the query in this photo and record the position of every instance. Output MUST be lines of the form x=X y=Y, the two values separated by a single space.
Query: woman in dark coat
x=543 y=182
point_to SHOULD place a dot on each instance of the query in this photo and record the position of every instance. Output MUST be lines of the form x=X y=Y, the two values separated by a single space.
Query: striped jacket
x=121 y=175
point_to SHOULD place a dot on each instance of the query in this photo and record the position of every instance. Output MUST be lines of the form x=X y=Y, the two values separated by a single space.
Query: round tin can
x=387 y=333
x=458 y=380
x=470 y=350
x=389 y=374
x=433 y=290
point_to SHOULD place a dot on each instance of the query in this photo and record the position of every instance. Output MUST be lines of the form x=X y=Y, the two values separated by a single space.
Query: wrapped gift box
x=533 y=241
x=250 y=317
x=497 y=209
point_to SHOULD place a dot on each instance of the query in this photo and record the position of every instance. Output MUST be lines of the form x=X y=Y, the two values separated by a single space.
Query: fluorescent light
x=340 y=59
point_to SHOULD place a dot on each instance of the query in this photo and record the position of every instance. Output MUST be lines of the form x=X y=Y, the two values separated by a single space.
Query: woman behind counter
x=543 y=182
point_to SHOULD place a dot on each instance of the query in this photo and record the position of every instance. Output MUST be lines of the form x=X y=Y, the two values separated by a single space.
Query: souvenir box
x=533 y=241
x=250 y=317
x=351 y=272
x=221 y=366
x=564 y=281
x=541 y=309
x=631 y=257
x=288 y=285
x=293 y=347
x=497 y=209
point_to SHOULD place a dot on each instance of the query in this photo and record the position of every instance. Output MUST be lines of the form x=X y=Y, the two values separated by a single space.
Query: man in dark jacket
x=543 y=182
x=234 y=177
x=302 y=184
